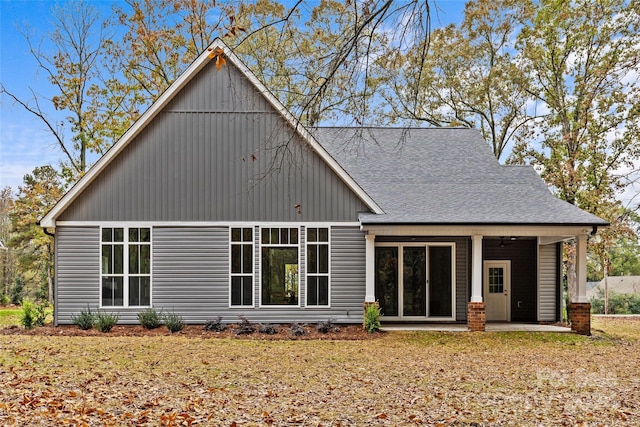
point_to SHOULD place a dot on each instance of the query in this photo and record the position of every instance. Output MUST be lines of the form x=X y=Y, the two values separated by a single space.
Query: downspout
x=52 y=298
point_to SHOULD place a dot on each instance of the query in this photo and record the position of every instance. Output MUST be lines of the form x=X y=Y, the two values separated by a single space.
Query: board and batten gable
x=217 y=152
x=218 y=155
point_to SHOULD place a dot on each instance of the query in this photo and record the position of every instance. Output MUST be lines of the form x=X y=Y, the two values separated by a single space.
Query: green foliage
x=104 y=321
x=5 y=300
x=17 y=290
x=41 y=190
x=149 y=318
x=33 y=315
x=173 y=322
x=372 y=318
x=215 y=325
x=618 y=303
x=245 y=327
x=85 y=319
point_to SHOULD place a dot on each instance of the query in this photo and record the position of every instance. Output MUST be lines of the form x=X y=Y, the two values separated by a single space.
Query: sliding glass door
x=415 y=282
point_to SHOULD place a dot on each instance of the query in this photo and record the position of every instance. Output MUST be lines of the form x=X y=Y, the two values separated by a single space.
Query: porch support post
x=476 y=267
x=581 y=270
x=370 y=251
x=580 y=308
x=476 y=308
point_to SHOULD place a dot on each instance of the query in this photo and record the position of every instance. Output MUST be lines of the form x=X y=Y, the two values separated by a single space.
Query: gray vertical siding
x=77 y=271
x=218 y=152
x=548 y=282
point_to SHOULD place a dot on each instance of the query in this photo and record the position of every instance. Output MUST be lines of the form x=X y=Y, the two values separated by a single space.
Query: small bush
x=5 y=300
x=84 y=320
x=372 y=318
x=215 y=325
x=149 y=318
x=245 y=327
x=104 y=321
x=618 y=303
x=326 y=327
x=173 y=322
x=268 y=329
x=33 y=315
x=297 y=329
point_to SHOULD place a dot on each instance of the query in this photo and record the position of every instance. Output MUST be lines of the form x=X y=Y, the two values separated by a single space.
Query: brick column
x=476 y=316
x=580 y=317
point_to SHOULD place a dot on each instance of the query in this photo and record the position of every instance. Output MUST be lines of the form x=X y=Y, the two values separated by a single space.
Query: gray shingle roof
x=444 y=176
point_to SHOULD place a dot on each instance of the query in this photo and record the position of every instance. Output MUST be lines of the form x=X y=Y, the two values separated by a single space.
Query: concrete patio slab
x=435 y=327
x=525 y=327
x=490 y=327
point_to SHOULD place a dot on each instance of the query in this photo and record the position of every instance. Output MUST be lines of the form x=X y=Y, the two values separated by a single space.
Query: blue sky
x=24 y=141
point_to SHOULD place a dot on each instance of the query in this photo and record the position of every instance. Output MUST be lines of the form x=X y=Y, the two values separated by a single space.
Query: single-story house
x=616 y=284
x=217 y=202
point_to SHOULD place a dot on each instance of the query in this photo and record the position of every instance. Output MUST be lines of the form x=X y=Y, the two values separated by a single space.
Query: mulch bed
x=343 y=332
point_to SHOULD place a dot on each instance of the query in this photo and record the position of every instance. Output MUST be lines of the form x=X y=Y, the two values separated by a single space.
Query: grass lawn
x=399 y=379
x=10 y=316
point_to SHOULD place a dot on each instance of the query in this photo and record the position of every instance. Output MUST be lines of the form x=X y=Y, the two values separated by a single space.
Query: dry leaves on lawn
x=398 y=379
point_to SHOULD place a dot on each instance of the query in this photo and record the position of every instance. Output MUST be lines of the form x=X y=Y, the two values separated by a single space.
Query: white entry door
x=497 y=284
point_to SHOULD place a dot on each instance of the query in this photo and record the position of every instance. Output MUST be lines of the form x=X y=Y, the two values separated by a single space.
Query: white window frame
x=253 y=264
x=306 y=271
x=125 y=265
x=299 y=248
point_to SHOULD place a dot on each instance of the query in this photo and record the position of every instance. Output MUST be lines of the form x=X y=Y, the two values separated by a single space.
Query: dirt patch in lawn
x=339 y=332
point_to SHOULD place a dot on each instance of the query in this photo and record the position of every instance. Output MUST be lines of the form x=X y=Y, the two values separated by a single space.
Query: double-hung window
x=279 y=266
x=241 y=267
x=126 y=267
x=317 y=266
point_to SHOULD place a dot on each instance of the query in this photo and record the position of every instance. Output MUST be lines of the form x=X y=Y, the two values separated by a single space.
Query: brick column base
x=476 y=316
x=364 y=309
x=580 y=317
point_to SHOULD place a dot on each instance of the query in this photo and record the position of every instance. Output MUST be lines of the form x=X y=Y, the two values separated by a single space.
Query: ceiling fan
x=503 y=244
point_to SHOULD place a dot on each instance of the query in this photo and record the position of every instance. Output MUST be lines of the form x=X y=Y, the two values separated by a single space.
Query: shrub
x=33 y=315
x=104 y=321
x=268 y=329
x=326 y=327
x=372 y=318
x=297 y=329
x=173 y=322
x=618 y=303
x=245 y=327
x=5 y=300
x=84 y=320
x=215 y=325
x=149 y=318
